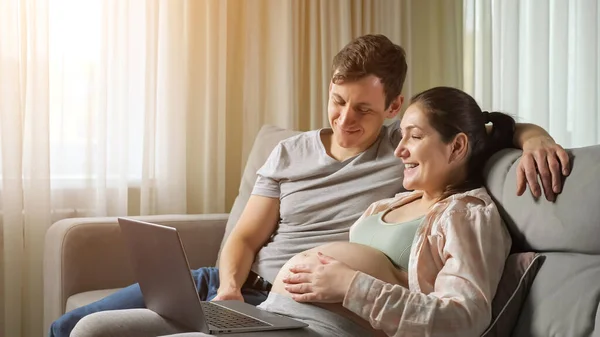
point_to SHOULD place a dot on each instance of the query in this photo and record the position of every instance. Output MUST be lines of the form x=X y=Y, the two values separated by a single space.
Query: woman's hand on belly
x=326 y=282
x=356 y=257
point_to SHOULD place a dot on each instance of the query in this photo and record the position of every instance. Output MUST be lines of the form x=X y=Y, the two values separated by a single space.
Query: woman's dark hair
x=452 y=111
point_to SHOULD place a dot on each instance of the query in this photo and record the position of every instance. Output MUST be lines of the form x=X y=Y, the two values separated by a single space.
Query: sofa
x=85 y=258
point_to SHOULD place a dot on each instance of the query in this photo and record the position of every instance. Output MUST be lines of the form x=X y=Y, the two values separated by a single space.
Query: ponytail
x=503 y=131
x=501 y=137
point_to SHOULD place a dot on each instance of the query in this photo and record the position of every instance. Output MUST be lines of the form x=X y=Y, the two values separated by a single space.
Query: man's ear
x=459 y=148
x=395 y=106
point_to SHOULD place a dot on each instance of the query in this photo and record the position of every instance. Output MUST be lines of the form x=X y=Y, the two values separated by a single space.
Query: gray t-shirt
x=320 y=197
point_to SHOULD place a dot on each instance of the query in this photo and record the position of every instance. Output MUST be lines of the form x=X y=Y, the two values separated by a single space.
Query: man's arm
x=541 y=155
x=256 y=225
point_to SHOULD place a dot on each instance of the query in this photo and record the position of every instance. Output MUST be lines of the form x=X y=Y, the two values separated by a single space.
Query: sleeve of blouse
x=475 y=247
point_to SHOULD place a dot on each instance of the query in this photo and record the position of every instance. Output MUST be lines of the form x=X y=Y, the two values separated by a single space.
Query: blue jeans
x=207 y=283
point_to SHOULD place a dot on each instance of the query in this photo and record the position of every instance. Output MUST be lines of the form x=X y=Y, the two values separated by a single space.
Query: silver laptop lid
x=163 y=272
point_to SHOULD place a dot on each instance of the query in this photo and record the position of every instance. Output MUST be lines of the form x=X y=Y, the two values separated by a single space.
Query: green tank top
x=393 y=239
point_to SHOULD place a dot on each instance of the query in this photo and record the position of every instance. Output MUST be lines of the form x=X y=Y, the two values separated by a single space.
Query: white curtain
x=134 y=107
x=92 y=106
x=538 y=60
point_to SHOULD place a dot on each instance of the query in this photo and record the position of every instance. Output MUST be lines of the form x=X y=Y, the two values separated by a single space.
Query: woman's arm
x=475 y=247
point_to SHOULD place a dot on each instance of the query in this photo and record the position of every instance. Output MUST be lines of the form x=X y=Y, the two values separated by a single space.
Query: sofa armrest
x=84 y=254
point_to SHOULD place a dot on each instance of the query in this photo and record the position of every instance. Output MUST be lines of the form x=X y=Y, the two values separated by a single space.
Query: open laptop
x=163 y=273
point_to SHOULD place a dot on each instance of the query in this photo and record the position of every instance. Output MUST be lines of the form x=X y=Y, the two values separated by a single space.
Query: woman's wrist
x=350 y=286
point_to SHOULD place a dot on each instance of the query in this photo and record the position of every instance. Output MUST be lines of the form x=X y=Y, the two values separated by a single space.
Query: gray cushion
x=571 y=224
x=564 y=298
x=519 y=273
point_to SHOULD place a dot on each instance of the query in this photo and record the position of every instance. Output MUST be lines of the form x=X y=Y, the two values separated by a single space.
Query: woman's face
x=428 y=161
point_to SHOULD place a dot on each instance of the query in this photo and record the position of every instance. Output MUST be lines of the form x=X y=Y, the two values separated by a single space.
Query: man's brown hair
x=372 y=55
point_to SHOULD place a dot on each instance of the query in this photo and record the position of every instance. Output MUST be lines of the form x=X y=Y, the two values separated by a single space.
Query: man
x=315 y=185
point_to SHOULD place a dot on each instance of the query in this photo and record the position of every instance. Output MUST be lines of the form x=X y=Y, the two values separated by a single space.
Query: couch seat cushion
x=85 y=298
x=563 y=299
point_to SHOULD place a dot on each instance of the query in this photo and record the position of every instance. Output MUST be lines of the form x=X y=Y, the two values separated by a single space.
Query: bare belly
x=360 y=257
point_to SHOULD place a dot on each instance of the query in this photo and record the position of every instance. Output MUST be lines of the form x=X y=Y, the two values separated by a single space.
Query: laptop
x=163 y=273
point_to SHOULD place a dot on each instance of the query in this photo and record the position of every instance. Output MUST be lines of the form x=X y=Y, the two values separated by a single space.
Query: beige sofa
x=86 y=259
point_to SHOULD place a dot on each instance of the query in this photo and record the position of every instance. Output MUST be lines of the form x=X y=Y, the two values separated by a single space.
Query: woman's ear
x=459 y=148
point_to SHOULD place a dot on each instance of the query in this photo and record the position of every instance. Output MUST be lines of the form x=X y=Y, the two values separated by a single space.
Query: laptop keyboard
x=224 y=318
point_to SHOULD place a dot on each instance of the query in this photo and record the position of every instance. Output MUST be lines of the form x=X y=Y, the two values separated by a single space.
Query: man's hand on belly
x=326 y=282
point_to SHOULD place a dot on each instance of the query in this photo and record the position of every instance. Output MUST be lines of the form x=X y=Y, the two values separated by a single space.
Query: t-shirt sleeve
x=267 y=180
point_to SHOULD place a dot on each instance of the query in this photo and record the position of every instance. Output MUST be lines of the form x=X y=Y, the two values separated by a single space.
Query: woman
x=427 y=262
x=424 y=263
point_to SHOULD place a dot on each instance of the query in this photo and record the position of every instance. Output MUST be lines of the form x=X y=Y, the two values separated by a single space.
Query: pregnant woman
x=427 y=262
x=424 y=263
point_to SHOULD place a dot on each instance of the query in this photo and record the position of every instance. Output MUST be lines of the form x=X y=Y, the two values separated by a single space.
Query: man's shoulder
x=304 y=136
x=297 y=148
x=393 y=124
x=306 y=141
x=391 y=131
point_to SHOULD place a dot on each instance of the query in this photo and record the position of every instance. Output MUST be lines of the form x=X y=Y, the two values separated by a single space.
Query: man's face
x=357 y=111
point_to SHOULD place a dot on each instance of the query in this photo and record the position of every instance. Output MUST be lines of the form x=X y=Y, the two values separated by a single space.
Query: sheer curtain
x=135 y=107
x=92 y=106
x=538 y=60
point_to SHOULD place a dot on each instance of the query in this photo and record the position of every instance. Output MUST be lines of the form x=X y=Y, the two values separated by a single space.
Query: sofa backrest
x=570 y=224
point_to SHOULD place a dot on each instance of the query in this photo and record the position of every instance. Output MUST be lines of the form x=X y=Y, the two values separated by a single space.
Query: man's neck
x=337 y=152
x=340 y=154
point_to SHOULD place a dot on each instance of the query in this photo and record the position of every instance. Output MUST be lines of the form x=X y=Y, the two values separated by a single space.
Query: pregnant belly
x=359 y=257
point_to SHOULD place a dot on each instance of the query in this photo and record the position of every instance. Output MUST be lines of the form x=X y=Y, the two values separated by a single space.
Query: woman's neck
x=456 y=178
x=431 y=197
